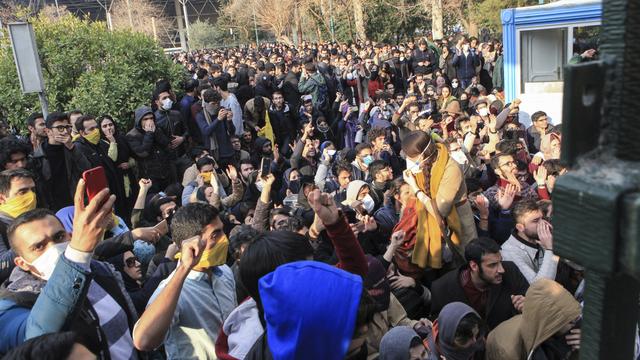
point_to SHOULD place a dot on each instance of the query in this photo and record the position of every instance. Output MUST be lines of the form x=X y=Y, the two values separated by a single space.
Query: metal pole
x=183 y=39
x=331 y=23
x=57 y=8
x=186 y=16
x=255 y=25
x=44 y=104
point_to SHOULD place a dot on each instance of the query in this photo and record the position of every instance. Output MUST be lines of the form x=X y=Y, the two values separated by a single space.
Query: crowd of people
x=326 y=201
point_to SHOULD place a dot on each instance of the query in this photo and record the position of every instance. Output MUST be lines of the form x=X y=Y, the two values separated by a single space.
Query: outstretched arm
x=151 y=329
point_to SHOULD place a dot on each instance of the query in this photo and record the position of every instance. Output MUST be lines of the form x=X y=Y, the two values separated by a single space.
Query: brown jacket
x=548 y=307
x=382 y=322
x=453 y=192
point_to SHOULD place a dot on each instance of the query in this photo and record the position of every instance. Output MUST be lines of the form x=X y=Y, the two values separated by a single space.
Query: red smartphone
x=95 y=180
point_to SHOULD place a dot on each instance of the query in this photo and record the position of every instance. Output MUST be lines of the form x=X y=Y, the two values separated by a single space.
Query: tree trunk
x=358 y=15
x=297 y=38
x=437 y=28
x=472 y=28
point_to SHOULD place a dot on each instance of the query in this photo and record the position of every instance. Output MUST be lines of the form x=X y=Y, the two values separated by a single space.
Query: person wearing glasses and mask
x=438 y=183
x=59 y=162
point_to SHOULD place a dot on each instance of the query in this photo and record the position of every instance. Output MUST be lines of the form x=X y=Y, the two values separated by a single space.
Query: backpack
x=322 y=100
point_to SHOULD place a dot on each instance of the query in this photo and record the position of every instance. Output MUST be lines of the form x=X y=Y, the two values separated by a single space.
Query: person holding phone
x=58 y=271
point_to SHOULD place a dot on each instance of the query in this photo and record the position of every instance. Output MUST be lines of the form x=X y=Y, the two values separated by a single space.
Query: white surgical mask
x=483 y=112
x=414 y=167
x=46 y=262
x=459 y=157
x=368 y=203
x=454 y=85
x=167 y=104
x=331 y=152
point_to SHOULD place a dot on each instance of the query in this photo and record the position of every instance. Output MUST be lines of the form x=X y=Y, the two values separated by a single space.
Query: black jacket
x=98 y=156
x=151 y=149
x=290 y=90
x=172 y=124
x=448 y=289
x=75 y=164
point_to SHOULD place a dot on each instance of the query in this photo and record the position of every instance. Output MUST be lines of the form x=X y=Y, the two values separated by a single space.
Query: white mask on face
x=459 y=157
x=454 y=85
x=368 y=203
x=483 y=112
x=167 y=104
x=46 y=262
x=414 y=167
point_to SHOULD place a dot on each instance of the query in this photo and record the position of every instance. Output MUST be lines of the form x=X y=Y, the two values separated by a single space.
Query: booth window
x=544 y=53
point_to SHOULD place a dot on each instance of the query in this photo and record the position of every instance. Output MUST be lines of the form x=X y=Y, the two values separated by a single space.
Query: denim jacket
x=31 y=307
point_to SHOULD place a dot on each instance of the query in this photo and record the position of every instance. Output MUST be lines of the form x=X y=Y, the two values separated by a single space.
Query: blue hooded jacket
x=310 y=309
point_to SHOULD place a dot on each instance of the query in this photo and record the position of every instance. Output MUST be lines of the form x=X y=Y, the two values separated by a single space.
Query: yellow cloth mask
x=93 y=137
x=206 y=176
x=20 y=204
x=215 y=256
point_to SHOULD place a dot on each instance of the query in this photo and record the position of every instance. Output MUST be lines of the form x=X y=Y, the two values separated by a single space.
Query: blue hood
x=310 y=309
x=65 y=215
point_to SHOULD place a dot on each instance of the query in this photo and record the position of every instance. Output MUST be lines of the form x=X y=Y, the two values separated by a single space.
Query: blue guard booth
x=538 y=42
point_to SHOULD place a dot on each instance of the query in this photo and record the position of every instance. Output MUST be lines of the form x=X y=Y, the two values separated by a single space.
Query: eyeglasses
x=542 y=119
x=509 y=163
x=131 y=262
x=63 y=128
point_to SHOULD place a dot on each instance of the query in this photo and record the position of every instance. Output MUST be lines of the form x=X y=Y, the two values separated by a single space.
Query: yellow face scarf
x=206 y=176
x=215 y=256
x=19 y=205
x=93 y=137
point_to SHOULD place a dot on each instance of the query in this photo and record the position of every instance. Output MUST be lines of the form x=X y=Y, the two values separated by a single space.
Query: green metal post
x=597 y=204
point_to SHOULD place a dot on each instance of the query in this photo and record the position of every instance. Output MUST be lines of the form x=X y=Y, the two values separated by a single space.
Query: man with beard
x=492 y=287
x=506 y=168
x=37 y=133
x=530 y=246
x=290 y=85
x=82 y=294
x=280 y=115
x=216 y=126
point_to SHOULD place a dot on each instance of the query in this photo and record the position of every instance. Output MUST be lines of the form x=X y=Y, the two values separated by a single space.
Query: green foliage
x=486 y=13
x=203 y=35
x=87 y=67
x=392 y=23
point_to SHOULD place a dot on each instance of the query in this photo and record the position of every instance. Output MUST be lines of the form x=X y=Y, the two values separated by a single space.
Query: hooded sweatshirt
x=149 y=148
x=310 y=309
x=441 y=339
x=548 y=307
x=396 y=343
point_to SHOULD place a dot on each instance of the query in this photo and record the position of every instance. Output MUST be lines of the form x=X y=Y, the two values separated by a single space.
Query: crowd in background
x=325 y=201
